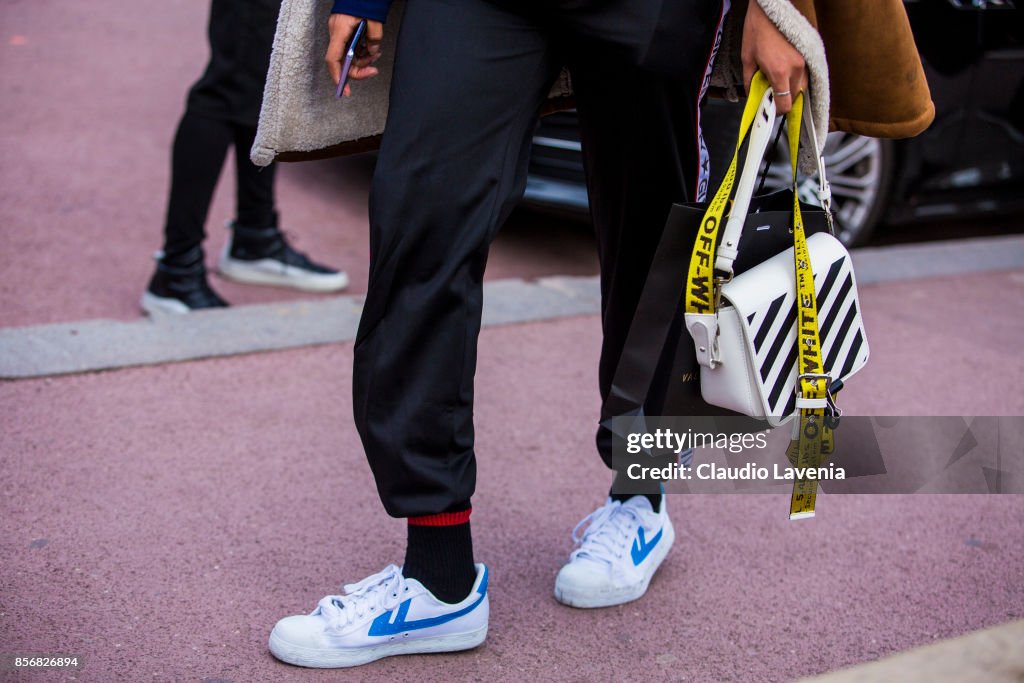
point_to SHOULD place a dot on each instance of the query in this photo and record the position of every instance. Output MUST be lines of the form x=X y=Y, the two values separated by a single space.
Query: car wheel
x=860 y=172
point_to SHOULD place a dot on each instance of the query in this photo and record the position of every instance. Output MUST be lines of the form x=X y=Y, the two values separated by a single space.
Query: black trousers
x=469 y=79
x=222 y=111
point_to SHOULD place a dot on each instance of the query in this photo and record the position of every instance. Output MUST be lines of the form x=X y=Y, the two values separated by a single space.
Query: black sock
x=439 y=555
x=653 y=498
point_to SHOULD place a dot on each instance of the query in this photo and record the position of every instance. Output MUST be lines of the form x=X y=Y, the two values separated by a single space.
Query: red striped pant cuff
x=442 y=519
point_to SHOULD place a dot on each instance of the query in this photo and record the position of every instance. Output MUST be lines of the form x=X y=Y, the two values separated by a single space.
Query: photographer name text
x=748 y=472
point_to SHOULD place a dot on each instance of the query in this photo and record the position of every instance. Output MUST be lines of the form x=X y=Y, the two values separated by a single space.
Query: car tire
x=860 y=172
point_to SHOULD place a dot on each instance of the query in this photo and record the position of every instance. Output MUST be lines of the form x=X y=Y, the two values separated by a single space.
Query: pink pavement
x=92 y=93
x=159 y=520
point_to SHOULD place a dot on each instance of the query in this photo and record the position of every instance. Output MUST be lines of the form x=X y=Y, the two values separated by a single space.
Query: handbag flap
x=764 y=298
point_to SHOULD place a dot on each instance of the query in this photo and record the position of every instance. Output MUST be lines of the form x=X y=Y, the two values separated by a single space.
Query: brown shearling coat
x=878 y=86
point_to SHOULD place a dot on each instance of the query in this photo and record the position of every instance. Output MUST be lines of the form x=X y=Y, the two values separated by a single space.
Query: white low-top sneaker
x=383 y=615
x=622 y=546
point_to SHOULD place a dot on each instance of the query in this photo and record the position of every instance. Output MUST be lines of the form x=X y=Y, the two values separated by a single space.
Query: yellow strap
x=828 y=441
x=815 y=438
x=812 y=441
x=700 y=287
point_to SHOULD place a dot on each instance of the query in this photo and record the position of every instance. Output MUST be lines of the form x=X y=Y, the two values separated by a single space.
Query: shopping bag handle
x=760 y=136
x=824 y=189
x=704 y=277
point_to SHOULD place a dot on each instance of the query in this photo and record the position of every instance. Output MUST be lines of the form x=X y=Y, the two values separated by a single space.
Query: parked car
x=970 y=161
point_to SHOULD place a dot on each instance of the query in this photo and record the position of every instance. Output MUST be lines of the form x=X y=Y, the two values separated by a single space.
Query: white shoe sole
x=270 y=272
x=334 y=658
x=589 y=597
x=159 y=305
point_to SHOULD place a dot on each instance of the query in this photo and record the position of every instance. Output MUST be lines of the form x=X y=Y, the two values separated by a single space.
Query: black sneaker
x=262 y=256
x=175 y=289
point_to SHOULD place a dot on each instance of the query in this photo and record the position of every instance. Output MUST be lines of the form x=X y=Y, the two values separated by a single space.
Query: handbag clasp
x=719 y=281
x=703 y=328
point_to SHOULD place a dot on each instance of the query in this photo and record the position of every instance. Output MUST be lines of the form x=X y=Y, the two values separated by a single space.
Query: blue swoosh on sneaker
x=383 y=626
x=641 y=549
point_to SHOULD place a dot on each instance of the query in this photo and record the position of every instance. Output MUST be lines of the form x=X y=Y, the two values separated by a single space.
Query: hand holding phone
x=350 y=54
x=354 y=46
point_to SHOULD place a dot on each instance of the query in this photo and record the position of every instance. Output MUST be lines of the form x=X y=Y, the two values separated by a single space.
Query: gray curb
x=91 y=345
x=935 y=259
x=992 y=655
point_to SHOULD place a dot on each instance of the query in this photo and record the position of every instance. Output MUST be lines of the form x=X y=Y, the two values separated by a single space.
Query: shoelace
x=609 y=529
x=381 y=591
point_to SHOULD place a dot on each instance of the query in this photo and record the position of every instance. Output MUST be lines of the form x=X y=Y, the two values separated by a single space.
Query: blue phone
x=350 y=54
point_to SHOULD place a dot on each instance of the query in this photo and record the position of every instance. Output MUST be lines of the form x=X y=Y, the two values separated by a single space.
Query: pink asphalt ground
x=92 y=93
x=159 y=520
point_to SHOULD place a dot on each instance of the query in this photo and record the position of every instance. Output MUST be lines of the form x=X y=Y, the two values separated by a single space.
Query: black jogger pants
x=470 y=77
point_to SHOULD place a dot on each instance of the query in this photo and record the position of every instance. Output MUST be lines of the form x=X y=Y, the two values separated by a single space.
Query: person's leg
x=206 y=130
x=637 y=92
x=255 y=206
x=204 y=135
x=257 y=252
x=468 y=81
x=179 y=283
x=642 y=151
x=197 y=157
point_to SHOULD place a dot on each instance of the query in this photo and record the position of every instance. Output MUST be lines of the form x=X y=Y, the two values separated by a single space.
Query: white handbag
x=776 y=338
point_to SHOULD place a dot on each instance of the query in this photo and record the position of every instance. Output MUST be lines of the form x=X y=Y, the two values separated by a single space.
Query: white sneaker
x=383 y=615
x=621 y=548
